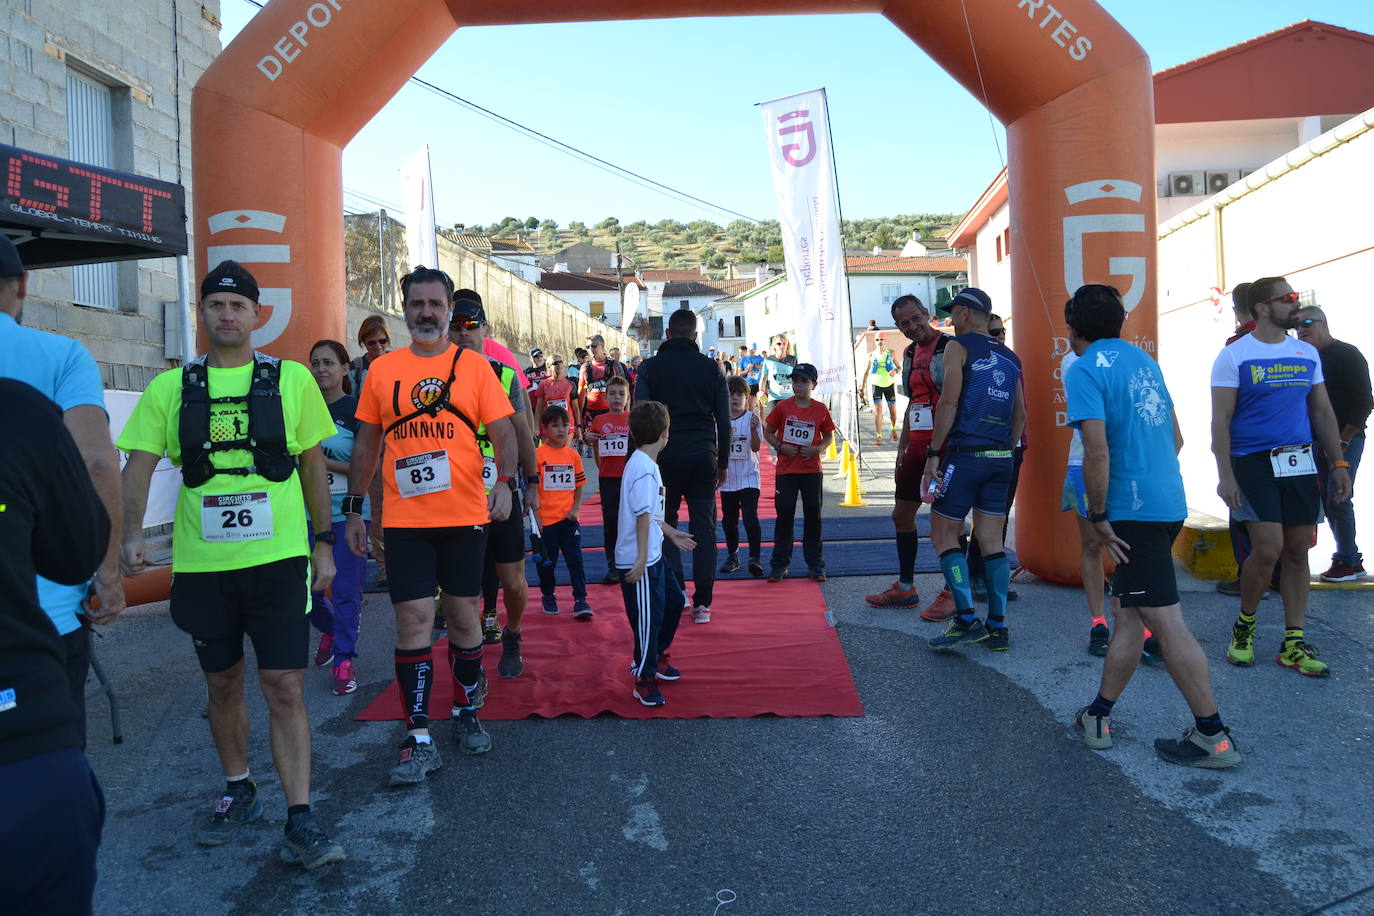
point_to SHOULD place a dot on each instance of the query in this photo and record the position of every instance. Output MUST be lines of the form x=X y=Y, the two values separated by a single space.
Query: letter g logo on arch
x=791 y=151
x=1077 y=227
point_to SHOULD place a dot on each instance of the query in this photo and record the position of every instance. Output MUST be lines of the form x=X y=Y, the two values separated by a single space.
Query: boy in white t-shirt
x=739 y=495
x=646 y=582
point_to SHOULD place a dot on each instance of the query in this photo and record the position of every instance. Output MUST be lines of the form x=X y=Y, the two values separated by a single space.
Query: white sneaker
x=701 y=614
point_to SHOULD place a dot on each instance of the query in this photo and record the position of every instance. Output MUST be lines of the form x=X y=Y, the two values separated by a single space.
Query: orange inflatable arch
x=271 y=116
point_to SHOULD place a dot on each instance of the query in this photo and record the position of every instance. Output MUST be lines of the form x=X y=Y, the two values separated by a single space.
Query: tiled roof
x=562 y=280
x=883 y=265
x=690 y=289
x=654 y=274
x=1306 y=25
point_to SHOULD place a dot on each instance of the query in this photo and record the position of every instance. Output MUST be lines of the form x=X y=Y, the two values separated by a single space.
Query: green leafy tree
x=608 y=222
x=775 y=254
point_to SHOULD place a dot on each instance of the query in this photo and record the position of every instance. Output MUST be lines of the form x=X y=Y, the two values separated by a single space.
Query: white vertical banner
x=798 y=132
x=417 y=192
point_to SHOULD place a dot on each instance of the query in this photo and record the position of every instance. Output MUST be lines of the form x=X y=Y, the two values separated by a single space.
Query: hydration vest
x=265 y=436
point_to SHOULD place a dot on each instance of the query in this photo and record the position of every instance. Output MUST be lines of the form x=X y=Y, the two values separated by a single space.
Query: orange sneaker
x=942 y=608
x=894 y=597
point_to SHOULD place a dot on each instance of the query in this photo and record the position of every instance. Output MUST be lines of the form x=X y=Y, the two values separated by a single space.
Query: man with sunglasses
x=537 y=370
x=1269 y=403
x=1347 y=384
x=429 y=401
x=591 y=383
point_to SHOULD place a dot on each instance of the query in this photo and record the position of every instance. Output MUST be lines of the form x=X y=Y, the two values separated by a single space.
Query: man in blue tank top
x=978 y=422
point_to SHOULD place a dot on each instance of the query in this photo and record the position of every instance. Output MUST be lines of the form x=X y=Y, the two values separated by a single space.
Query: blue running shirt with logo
x=1120 y=384
x=1272 y=382
x=988 y=398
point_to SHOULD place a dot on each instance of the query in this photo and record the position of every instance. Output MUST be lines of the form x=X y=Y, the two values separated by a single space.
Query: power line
x=568 y=149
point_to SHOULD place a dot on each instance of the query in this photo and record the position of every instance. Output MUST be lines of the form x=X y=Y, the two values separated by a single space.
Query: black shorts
x=908 y=473
x=753 y=390
x=885 y=393
x=420 y=561
x=1146 y=578
x=506 y=540
x=268 y=603
x=973 y=481
x=1266 y=498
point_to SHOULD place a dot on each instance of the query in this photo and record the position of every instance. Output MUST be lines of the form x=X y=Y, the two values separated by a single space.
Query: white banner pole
x=417 y=190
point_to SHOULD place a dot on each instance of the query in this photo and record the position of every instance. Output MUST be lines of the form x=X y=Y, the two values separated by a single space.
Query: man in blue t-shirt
x=750 y=367
x=969 y=466
x=61 y=369
x=1118 y=402
x=1269 y=403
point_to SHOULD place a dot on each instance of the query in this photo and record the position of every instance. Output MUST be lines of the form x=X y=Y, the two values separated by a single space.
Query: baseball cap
x=973 y=297
x=467 y=308
x=806 y=370
x=229 y=277
x=536 y=352
x=10 y=263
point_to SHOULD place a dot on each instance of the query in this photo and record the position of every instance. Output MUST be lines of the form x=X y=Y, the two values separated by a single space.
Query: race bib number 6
x=798 y=432
x=1293 y=461
x=417 y=475
x=236 y=517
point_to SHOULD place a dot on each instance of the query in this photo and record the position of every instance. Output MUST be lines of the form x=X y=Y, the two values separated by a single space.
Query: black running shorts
x=885 y=393
x=1266 y=498
x=420 y=561
x=268 y=603
x=506 y=540
x=1146 y=578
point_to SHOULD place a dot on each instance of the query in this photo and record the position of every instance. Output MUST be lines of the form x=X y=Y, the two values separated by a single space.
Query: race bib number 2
x=236 y=517
x=1293 y=461
x=417 y=475
x=922 y=417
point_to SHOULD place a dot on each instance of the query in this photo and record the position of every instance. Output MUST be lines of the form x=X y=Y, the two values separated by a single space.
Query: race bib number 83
x=417 y=475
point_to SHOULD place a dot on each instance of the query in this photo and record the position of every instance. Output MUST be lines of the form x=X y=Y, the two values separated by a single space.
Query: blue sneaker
x=959 y=634
x=581 y=609
x=1151 y=654
x=550 y=603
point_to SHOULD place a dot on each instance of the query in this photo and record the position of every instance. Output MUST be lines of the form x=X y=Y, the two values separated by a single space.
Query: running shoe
x=999 y=639
x=416 y=761
x=232 y=811
x=1231 y=588
x=878 y=439
x=550 y=603
x=344 y=682
x=1194 y=749
x=648 y=694
x=512 y=663
x=582 y=610
x=491 y=630
x=1098 y=639
x=1150 y=653
x=959 y=634
x=1241 y=651
x=942 y=608
x=1302 y=658
x=611 y=578
x=730 y=565
x=478 y=698
x=777 y=574
x=894 y=435
x=306 y=844
x=666 y=671
x=325 y=653
x=1096 y=731
x=755 y=568
x=1344 y=572
x=817 y=574
x=894 y=597
x=472 y=737
x=701 y=614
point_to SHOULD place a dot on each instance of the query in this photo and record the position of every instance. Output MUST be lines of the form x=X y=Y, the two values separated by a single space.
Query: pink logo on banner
x=790 y=150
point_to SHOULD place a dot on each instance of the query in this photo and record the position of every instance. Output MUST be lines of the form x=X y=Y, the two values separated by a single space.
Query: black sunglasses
x=1308 y=322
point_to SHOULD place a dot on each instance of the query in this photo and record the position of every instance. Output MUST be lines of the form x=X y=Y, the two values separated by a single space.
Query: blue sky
x=674 y=100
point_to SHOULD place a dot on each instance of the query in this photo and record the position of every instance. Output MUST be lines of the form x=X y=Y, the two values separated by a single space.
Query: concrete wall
x=1311 y=225
x=127 y=45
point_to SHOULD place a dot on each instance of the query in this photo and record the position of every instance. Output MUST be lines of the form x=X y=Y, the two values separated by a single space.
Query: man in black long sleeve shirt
x=694 y=461
x=1347 y=385
x=53 y=524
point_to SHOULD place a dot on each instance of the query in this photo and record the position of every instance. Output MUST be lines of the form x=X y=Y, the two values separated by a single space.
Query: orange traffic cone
x=853 y=496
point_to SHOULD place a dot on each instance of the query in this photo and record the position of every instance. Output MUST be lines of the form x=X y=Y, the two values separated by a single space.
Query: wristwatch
x=531 y=480
x=326 y=537
x=1096 y=517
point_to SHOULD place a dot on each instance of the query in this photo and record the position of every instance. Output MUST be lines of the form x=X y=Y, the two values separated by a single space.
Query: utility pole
x=383 y=261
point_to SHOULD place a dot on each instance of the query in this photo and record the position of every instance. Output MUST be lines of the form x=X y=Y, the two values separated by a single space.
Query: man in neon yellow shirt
x=248 y=442
x=882 y=369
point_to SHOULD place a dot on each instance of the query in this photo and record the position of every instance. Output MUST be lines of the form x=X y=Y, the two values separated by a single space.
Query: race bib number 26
x=236 y=517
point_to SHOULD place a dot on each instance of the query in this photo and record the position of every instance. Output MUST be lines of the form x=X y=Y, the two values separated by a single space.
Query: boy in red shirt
x=556 y=391
x=797 y=429
x=609 y=437
x=560 y=499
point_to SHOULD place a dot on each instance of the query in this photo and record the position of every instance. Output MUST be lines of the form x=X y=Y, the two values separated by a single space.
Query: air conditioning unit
x=1221 y=180
x=1162 y=187
x=1185 y=184
x=1244 y=172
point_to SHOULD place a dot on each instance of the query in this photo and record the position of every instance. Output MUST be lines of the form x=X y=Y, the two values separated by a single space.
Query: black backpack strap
x=441 y=403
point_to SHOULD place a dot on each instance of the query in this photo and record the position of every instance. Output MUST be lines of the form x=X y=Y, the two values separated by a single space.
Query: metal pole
x=188 y=329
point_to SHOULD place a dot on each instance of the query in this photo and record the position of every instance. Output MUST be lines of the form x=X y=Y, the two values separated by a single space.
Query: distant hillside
x=671 y=244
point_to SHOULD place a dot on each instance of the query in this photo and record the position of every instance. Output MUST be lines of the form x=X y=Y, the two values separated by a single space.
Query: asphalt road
x=963 y=789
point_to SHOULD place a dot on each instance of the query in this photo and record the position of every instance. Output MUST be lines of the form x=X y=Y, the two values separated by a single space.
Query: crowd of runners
x=440 y=457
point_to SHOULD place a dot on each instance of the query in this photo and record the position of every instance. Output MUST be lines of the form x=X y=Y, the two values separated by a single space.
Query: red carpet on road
x=768 y=650
x=591 y=505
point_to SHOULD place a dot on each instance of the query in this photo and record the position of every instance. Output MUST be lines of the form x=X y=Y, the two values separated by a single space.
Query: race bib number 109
x=236 y=517
x=798 y=432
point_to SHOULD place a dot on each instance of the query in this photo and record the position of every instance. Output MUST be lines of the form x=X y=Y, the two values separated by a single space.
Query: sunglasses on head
x=1286 y=297
x=1308 y=322
x=465 y=324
